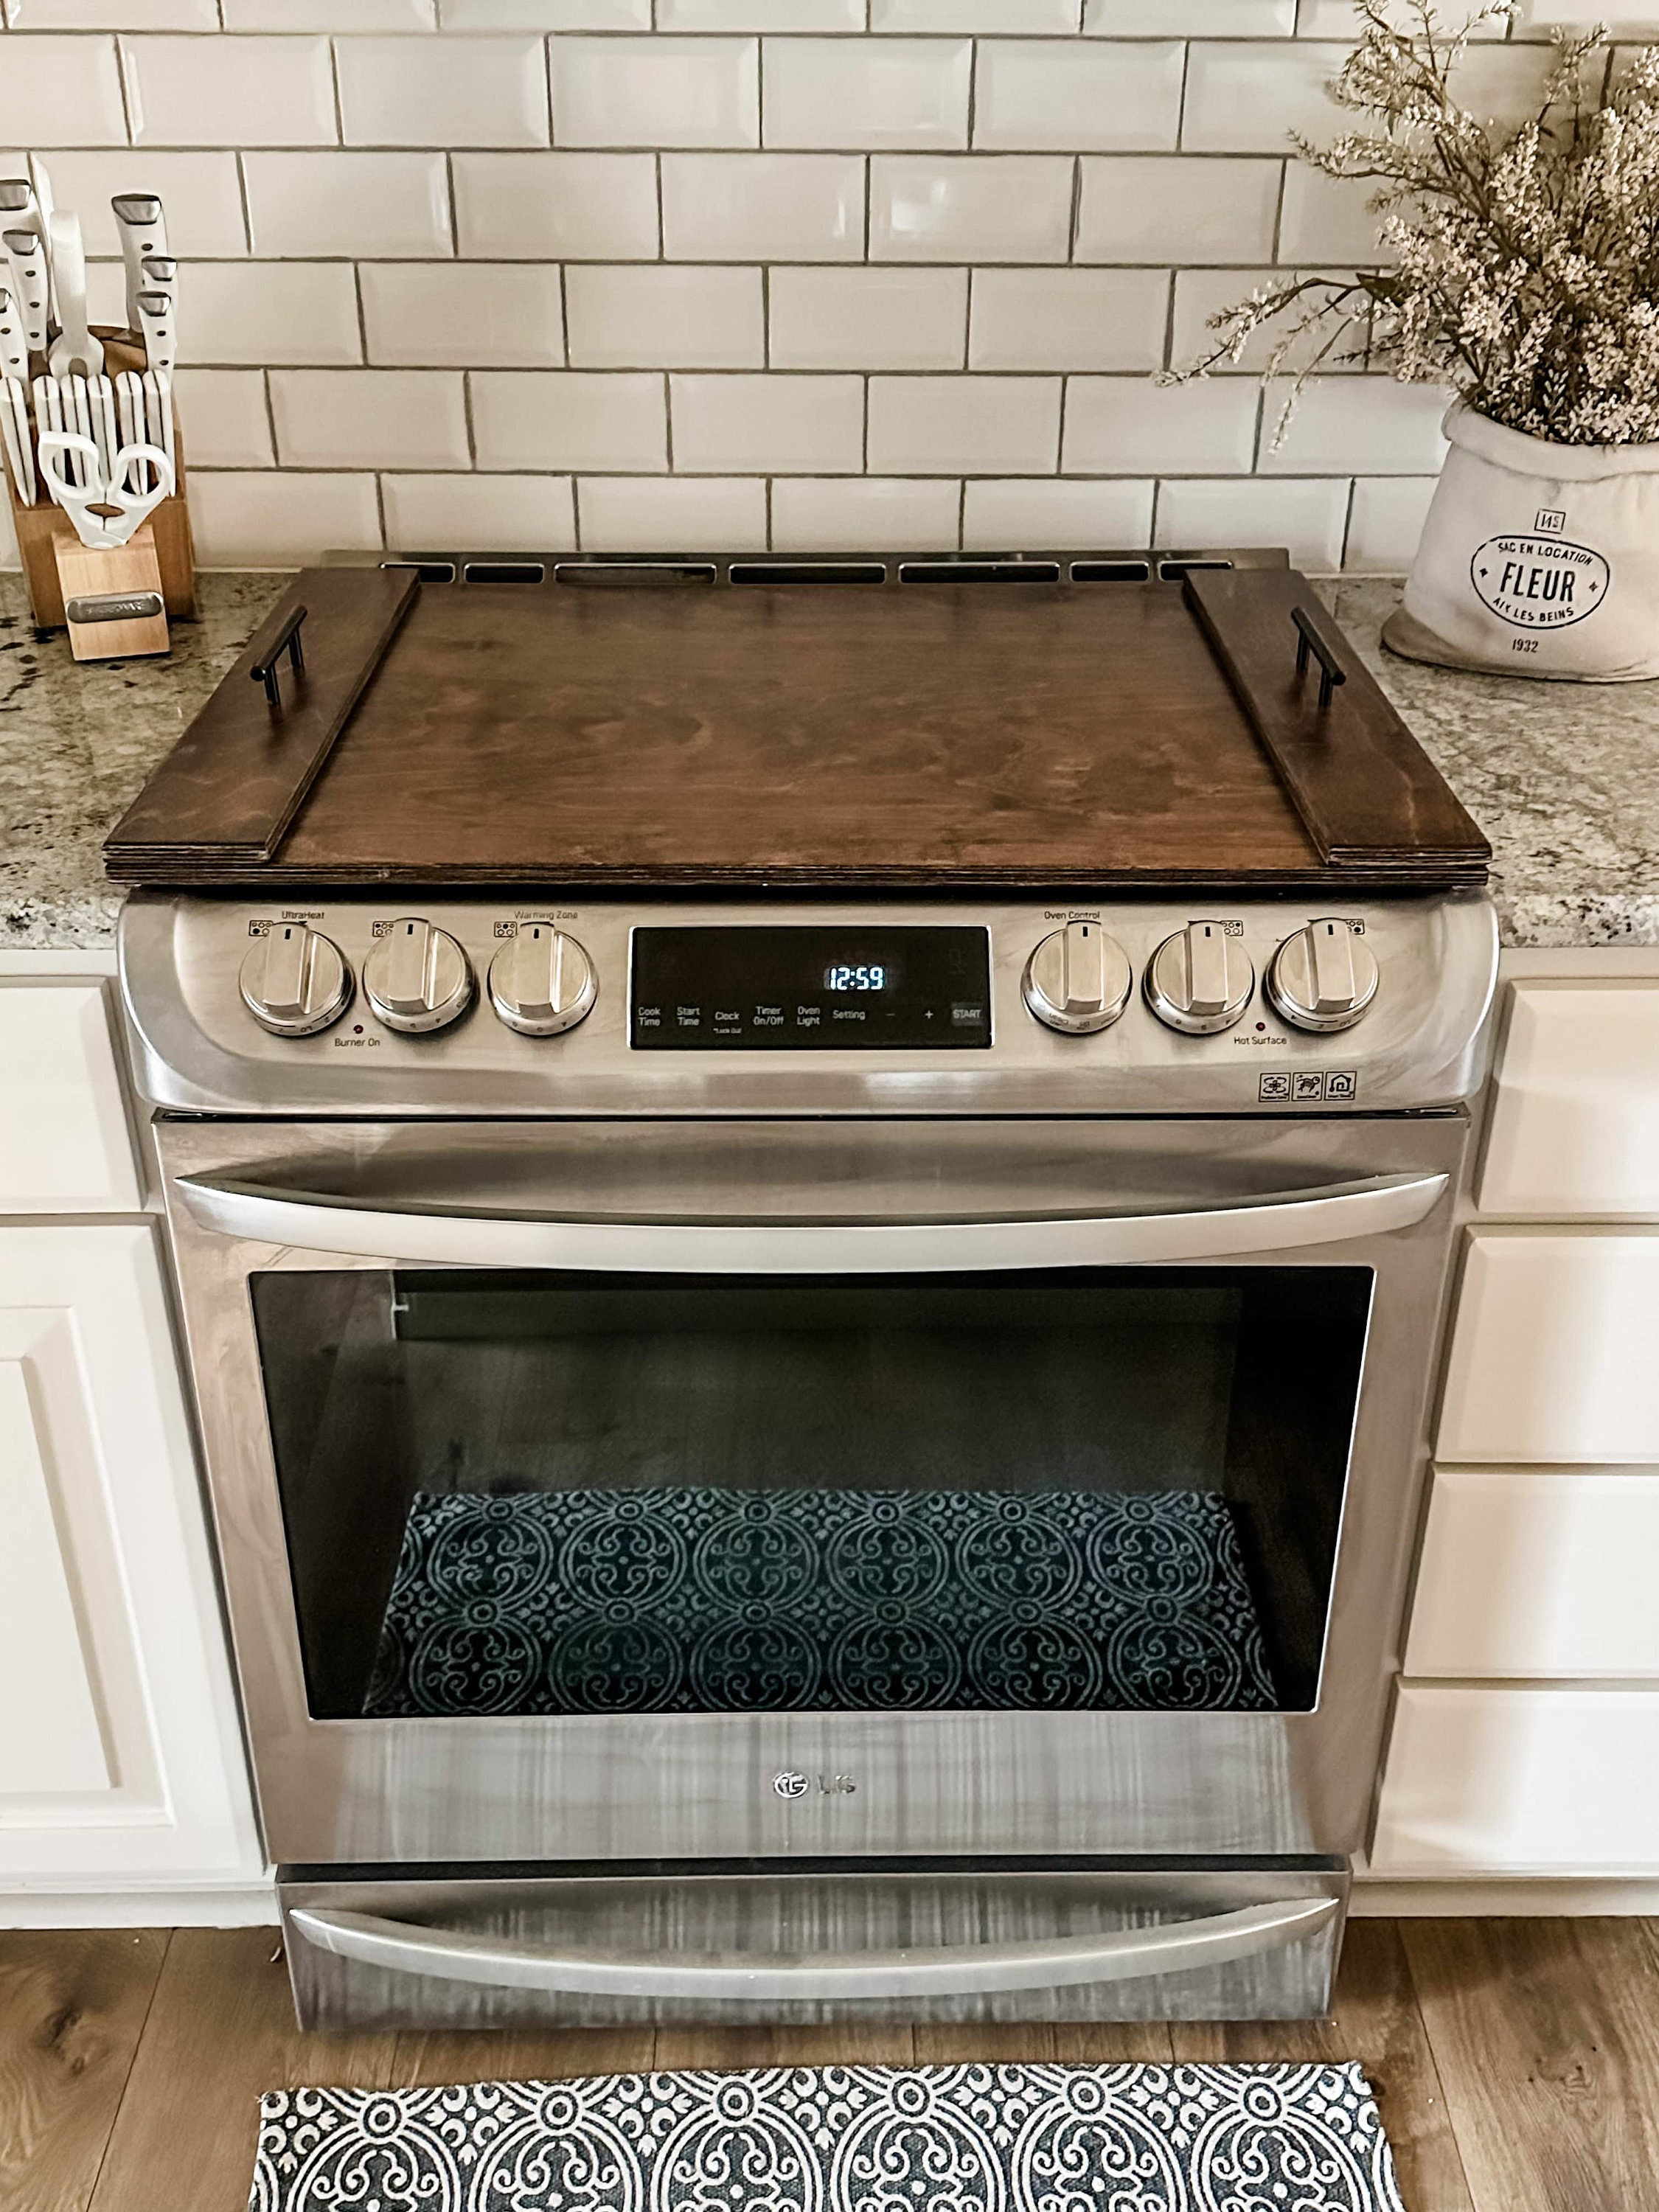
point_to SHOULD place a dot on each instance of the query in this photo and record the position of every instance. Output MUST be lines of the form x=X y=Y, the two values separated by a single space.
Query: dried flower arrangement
x=1525 y=256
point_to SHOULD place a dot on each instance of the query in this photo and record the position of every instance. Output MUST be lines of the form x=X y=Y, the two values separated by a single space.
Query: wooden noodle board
x=795 y=736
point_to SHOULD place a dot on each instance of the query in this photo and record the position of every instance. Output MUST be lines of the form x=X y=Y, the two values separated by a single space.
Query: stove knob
x=417 y=977
x=1199 y=979
x=1078 y=980
x=1322 y=978
x=294 y=983
x=543 y=981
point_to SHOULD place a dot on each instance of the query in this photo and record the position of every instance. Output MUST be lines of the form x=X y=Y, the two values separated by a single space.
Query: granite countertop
x=1563 y=778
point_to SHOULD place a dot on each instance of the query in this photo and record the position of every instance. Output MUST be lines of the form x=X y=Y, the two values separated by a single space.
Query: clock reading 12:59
x=854 y=978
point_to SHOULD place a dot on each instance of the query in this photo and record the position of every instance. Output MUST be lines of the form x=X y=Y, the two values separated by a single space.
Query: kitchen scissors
x=80 y=502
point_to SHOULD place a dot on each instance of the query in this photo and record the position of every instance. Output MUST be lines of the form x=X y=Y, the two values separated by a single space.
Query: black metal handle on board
x=285 y=640
x=1309 y=640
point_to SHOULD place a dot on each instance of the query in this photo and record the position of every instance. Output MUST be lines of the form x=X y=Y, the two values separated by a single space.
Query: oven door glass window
x=552 y=1493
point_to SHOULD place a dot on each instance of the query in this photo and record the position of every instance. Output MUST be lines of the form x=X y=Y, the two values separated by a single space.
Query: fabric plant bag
x=1536 y=559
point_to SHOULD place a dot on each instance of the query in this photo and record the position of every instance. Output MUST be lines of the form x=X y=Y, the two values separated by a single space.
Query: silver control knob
x=294 y=981
x=1323 y=977
x=541 y=981
x=417 y=977
x=1078 y=980
x=1199 y=979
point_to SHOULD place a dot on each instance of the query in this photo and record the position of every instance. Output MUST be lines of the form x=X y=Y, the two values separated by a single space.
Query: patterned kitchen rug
x=703 y=1599
x=969 y=2138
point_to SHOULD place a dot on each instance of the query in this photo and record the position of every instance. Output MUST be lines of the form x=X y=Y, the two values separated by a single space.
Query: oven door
x=635 y=1492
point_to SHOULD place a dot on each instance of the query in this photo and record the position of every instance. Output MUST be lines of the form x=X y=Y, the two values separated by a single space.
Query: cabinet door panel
x=1514 y=1781
x=65 y=1146
x=1538 y=1575
x=1575 y=1121
x=120 y=1754
x=1554 y=1350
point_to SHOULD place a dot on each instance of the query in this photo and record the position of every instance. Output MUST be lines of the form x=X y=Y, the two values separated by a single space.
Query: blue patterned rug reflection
x=971 y=2138
x=672 y=1600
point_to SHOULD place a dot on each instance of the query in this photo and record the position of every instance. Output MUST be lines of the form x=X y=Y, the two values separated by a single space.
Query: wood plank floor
x=1516 y=2061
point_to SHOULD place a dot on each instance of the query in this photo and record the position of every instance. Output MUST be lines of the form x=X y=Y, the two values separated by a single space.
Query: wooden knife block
x=46 y=537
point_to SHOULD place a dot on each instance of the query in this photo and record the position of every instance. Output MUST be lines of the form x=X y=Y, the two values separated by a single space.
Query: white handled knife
x=24 y=208
x=74 y=350
x=142 y=226
x=156 y=322
x=14 y=399
x=31 y=289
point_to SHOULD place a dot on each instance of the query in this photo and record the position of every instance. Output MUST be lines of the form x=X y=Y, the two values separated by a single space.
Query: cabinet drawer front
x=1538 y=1575
x=1575 y=1122
x=1521 y=1781
x=65 y=1146
x=1553 y=1353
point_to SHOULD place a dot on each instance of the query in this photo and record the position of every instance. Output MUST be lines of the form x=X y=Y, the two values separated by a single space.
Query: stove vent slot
x=504 y=572
x=1184 y=564
x=807 y=572
x=1111 y=572
x=653 y=576
x=979 y=571
x=429 y=572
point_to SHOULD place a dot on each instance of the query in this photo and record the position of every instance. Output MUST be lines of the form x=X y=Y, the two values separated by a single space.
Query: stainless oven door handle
x=1056 y=1962
x=318 y=1222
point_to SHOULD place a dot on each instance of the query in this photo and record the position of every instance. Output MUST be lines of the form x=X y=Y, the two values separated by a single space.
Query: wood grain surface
x=799 y=737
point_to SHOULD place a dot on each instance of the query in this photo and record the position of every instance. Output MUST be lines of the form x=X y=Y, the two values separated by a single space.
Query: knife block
x=44 y=528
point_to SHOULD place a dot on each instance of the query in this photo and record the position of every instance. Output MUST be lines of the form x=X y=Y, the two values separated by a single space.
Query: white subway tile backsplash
x=60 y=92
x=666 y=317
x=762 y=207
x=182 y=92
x=545 y=14
x=411 y=92
x=865 y=514
x=268 y=519
x=1170 y=208
x=227 y=423
x=271 y=314
x=671 y=514
x=450 y=315
x=874 y=93
x=760 y=15
x=370 y=417
x=1131 y=426
x=656 y=92
x=796 y=424
x=1028 y=15
x=1029 y=514
x=1248 y=97
x=572 y=420
x=1368 y=423
x=1049 y=94
x=868 y=317
x=1386 y=522
x=1068 y=318
x=990 y=207
x=1328 y=218
x=964 y=425
x=1308 y=516
x=1192 y=19
x=327 y=15
x=556 y=207
x=202 y=191
x=112 y=14
x=315 y=205
x=1201 y=293
x=479 y=514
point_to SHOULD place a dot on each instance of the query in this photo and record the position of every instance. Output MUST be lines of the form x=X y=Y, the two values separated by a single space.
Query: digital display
x=805 y=988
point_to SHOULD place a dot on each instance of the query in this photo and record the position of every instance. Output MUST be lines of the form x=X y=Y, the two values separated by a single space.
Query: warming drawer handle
x=455 y=1237
x=1058 y=1962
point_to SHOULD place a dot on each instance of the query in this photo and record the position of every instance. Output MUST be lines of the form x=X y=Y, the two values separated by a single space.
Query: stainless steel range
x=811 y=1460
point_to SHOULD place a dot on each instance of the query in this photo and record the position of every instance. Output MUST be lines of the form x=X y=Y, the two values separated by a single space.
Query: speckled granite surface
x=1563 y=778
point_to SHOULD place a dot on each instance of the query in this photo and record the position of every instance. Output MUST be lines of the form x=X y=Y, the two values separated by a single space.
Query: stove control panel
x=480 y=1004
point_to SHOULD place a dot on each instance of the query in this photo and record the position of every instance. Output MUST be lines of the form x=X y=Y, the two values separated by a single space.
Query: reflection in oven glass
x=711 y=1601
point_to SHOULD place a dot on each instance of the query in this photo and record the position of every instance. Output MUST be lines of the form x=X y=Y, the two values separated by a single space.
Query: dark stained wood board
x=795 y=738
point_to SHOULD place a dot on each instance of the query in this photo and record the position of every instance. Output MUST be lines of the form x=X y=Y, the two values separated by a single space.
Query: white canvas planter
x=1536 y=559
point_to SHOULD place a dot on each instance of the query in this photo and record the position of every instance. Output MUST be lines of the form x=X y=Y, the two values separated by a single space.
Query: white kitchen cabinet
x=65 y=1141
x=1575 y=1121
x=1555 y=1349
x=1521 y=1781
x=1538 y=1575
x=121 y=1763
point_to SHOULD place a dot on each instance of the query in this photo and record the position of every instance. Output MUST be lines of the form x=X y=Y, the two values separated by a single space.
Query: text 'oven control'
x=417 y=977
x=541 y=980
x=1078 y=980
x=1199 y=979
x=294 y=981
x=1323 y=978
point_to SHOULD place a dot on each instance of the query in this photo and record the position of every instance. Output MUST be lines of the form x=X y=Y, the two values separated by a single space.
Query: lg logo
x=792 y=1784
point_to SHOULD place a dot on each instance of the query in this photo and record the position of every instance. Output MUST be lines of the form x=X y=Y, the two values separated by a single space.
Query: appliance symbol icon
x=789 y=1783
